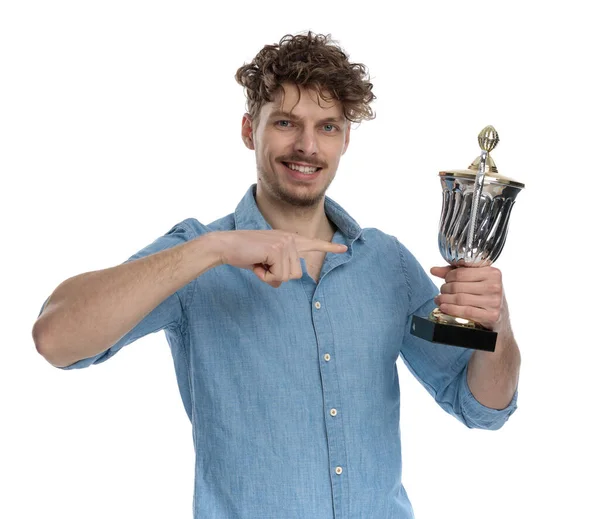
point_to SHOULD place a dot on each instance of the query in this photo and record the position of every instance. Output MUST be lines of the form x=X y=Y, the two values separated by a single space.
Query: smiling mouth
x=300 y=168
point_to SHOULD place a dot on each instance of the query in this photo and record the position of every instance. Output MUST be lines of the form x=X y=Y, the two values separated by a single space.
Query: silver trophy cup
x=476 y=207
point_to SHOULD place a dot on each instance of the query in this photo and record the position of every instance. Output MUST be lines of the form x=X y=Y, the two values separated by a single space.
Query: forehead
x=303 y=102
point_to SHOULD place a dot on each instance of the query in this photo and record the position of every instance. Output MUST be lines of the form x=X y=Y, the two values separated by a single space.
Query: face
x=299 y=140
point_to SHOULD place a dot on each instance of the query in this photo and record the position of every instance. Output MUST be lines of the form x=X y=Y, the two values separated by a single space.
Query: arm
x=442 y=369
x=493 y=377
x=88 y=313
x=477 y=293
x=92 y=315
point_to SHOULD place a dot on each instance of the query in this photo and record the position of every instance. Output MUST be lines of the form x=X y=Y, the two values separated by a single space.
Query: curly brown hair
x=311 y=61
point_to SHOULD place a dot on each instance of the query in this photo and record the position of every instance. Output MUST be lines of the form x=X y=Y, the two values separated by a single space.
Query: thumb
x=261 y=273
x=440 y=272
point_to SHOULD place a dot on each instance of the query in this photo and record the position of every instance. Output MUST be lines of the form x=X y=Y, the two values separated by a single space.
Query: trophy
x=476 y=206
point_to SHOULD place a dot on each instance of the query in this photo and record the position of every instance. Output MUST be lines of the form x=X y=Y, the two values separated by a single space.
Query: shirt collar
x=248 y=217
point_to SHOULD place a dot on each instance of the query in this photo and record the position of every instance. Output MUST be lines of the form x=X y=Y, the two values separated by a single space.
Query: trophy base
x=453 y=334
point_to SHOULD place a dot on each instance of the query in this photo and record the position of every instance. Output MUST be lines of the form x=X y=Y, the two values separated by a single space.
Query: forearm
x=493 y=377
x=88 y=313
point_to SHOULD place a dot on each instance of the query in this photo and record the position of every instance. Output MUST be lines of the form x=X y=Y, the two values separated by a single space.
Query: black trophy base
x=473 y=338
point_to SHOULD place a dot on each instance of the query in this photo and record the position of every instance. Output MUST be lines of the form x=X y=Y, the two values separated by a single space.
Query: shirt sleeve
x=440 y=368
x=168 y=314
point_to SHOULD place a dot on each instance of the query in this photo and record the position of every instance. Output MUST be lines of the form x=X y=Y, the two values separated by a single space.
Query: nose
x=306 y=142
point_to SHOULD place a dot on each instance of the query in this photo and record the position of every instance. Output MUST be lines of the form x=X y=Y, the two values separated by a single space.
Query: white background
x=121 y=118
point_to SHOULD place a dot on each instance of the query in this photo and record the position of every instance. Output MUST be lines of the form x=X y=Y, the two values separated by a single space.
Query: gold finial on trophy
x=488 y=138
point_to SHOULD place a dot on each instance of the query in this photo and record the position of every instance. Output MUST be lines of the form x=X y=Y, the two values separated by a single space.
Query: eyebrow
x=292 y=117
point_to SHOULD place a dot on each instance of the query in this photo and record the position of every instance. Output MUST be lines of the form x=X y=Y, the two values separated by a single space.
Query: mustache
x=302 y=160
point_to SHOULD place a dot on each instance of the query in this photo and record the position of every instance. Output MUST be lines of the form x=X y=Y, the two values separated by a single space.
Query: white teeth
x=302 y=169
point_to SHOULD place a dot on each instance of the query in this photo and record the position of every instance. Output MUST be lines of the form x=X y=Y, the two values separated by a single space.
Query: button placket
x=336 y=440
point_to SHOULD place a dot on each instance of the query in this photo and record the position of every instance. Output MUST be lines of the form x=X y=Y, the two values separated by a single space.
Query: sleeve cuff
x=479 y=416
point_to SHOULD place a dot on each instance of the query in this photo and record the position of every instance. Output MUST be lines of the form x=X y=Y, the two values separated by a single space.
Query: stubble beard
x=272 y=184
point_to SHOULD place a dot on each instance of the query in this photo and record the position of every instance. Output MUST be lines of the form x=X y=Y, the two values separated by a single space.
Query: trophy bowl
x=476 y=207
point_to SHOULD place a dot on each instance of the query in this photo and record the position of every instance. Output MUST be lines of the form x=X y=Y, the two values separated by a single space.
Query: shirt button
x=327 y=357
x=333 y=412
x=317 y=305
x=338 y=470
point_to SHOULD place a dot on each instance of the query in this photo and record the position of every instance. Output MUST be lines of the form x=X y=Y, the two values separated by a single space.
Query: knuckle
x=461 y=299
x=473 y=314
x=467 y=313
x=496 y=288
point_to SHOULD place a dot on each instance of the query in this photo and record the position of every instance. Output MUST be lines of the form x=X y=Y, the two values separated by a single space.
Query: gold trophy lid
x=488 y=140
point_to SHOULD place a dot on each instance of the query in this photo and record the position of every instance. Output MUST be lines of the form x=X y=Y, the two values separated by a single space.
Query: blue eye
x=329 y=128
x=283 y=123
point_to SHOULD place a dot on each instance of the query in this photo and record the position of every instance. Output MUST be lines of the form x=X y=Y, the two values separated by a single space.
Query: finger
x=285 y=262
x=474 y=287
x=295 y=266
x=314 y=244
x=484 y=302
x=260 y=271
x=489 y=274
x=440 y=272
x=276 y=262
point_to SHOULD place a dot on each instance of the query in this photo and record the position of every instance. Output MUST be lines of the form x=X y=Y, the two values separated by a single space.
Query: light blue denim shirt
x=293 y=392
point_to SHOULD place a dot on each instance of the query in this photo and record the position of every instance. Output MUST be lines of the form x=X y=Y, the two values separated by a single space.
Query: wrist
x=211 y=247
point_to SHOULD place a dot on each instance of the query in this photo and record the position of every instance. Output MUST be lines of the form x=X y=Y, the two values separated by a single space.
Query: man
x=285 y=319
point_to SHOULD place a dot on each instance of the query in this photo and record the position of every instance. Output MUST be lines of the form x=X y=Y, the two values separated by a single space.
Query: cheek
x=271 y=149
x=265 y=157
x=335 y=154
x=266 y=154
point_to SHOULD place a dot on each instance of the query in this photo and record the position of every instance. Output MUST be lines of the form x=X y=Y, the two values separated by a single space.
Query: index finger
x=314 y=244
x=470 y=274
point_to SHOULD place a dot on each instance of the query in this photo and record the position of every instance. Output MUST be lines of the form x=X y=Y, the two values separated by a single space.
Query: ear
x=347 y=137
x=247 y=136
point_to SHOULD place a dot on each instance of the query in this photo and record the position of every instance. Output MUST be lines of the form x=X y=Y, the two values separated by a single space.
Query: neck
x=311 y=222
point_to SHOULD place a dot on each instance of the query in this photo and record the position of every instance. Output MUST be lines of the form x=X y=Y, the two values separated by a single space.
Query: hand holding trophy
x=476 y=207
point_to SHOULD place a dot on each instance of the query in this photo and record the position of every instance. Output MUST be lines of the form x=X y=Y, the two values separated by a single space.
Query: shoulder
x=397 y=257
x=386 y=243
x=192 y=228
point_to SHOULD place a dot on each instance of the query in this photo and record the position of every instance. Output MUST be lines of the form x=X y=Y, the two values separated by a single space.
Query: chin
x=298 y=195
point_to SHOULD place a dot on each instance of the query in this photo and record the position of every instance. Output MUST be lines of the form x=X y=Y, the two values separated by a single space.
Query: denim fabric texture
x=293 y=392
